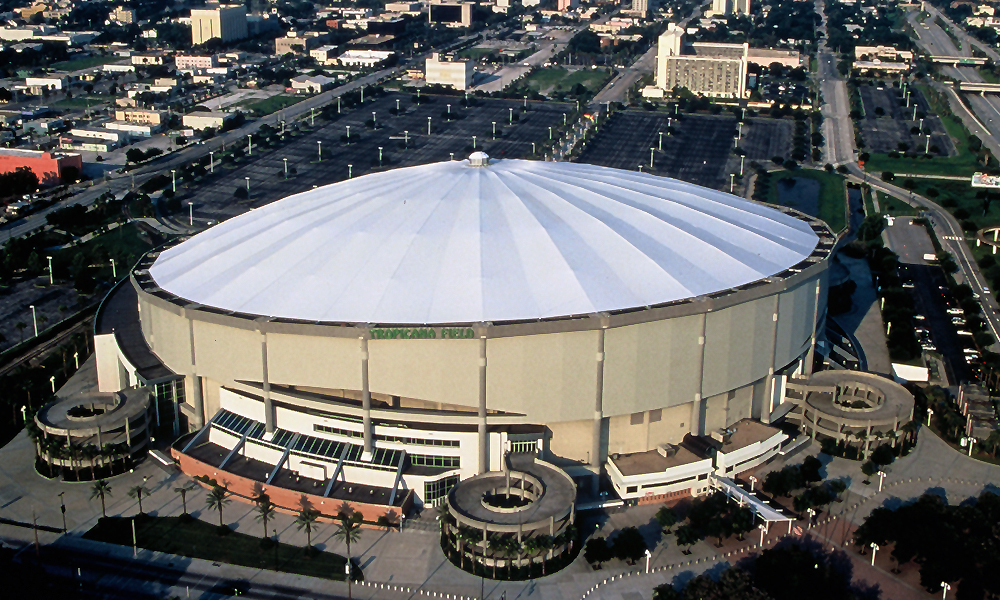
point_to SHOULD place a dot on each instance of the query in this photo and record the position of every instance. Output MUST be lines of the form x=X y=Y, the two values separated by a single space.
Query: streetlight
x=532 y=148
x=732 y=182
x=319 y=147
x=348 y=135
x=380 y=156
x=651 y=150
x=248 y=185
x=52 y=380
x=285 y=160
x=76 y=359
x=945 y=587
x=550 y=133
x=312 y=116
x=406 y=139
x=525 y=103
x=428 y=125
x=350 y=172
x=649 y=555
x=511 y=109
x=661 y=141
x=811 y=513
x=191 y=214
x=34 y=319
x=640 y=168
x=874 y=550
x=374 y=125
x=338 y=105
x=211 y=161
x=881 y=476
x=173 y=180
x=741 y=165
x=473 y=142
x=397 y=107
x=762 y=530
x=114 y=273
x=62 y=507
x=249 y=145
x=51 y=280
x=494 y=130
x=449 y=109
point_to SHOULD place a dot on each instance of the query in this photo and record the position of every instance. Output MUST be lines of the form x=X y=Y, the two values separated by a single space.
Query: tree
x=264 y=509
x=743 y=520
x=306 y=520
x=666 y=591
x=495 y=544
x=100 y=489
x=138 y=492
x=465 y=536
x=183 y=490
x=545 y=544
x=597 y=551
x=629 y=545
x=134 y=155
x=810 y=469
x=717 y=527
x=666 y=517
x=869 y=468
x=349 y=531
x=217 y=499
x=687 y=536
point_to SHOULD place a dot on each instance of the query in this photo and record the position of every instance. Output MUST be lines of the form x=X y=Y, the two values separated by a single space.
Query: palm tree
x=348 y=530
x=511 y=548
x=544 y=544
x=100 y=489
x=265 y=510
x=465 y=535
x=531 y=548
x=306 y=519
x=495 y=544
x=138 y=492
x=183 y=490
x=217 y=499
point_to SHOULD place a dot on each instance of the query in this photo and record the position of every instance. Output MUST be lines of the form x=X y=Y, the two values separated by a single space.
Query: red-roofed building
x=50 y=167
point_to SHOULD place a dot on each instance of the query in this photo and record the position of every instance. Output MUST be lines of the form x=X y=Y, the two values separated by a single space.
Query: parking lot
x=403 y=139
x=700 y=149
x=884 y=132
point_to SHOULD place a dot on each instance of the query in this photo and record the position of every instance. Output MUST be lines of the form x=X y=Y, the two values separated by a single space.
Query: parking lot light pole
x=173 y=180
x=285 y=160
x=661 y=141
x=51 y=280
x=380 y=156
x=944 y=587
x=319 y=148
x=348 y=135
x=651 y=151
x=874 y=551
x=312 y=117
x=532 y=147
x=550 y=133
x=211 y=161
x=753 y=482
x=732 y=182
x=114 y=275
x=248 y=185
x=249 y=144
x=349 y=171
x=449 y=109
x=191 y=213
x=881 y=477
x=428 y=125
x=34 y=319
x=494 y=130
x=374 y=124
x=473 y=142
x=406 y=139
x=52 y=380
x=741 y=165
x=525 y=103
x=511 y=115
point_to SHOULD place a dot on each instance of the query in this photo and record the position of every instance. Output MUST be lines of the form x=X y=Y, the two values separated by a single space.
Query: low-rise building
x=188 y=62
x=298 y=42
x=765 y=57
x=141 y=116
x=882 y=53
x=49 y=167
x=149 y=59
x=363 y=58
x=136 y=129
x=200 y=120
x=444 y=70
x=48 y=82
x=453 y=13
x=122 y=15
x=312 y=84
x=324 y=54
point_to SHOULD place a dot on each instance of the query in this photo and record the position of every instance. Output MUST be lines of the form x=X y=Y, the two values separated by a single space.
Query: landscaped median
x=187 y=536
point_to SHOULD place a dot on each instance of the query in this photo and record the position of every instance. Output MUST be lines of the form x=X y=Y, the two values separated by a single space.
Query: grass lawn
x=559 y=79
x=124 y=244
x=86 y=63
x=964 y=163
x=832 y=195
x=266 y=106
x=197 y=539
x=90 y=100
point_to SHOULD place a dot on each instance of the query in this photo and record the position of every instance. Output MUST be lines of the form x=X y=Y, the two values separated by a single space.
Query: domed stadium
x=378 y=340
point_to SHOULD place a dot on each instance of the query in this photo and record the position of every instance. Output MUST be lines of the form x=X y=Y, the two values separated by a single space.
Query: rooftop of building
x=652 y=461
x=747 y=432
x=35 y=153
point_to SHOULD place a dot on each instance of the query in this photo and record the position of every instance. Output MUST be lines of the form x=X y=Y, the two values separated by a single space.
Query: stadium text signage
x=424 y=333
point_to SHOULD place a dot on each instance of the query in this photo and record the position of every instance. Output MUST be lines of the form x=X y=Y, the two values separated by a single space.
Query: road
x=839 y=135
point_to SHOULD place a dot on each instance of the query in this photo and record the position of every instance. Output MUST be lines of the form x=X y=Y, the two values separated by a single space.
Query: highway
x=839 y=134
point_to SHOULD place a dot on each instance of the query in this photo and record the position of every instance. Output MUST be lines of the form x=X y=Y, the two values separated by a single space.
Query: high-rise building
x=445 y=71
x=228 y=23
x=705 y=69
x=125 y=16
x=642 y=7
x=730 y=7
x=567 y=4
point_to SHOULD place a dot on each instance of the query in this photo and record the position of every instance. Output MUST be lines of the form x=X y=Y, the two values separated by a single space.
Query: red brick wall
x=287 y=500
x=48 y=169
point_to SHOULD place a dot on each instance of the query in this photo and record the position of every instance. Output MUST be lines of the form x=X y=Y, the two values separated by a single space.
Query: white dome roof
x=454 y=243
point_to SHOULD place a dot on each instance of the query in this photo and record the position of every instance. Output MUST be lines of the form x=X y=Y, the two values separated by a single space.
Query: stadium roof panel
x=453 y=242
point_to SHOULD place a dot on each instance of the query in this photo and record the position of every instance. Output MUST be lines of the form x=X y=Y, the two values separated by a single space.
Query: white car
x=957 y=321
x=908 y=285
x=955 y=311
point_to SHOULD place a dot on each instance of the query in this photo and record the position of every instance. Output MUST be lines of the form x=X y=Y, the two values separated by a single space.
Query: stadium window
x=637 y=418
x=529 y=447
x=435 y=491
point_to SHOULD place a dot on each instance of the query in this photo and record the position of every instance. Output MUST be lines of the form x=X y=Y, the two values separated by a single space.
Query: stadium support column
x=595 y=447
x=699 y=372
x=807 y=369
x=484 y=461
x=266 y=384
x=366 y=397
x=765 y=413
x=197 y=394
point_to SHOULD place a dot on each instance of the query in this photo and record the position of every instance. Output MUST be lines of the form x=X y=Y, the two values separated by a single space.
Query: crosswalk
x=953 y=238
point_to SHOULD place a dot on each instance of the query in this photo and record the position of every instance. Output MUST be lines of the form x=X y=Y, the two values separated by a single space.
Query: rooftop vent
x=667 y=450
x=479 y=159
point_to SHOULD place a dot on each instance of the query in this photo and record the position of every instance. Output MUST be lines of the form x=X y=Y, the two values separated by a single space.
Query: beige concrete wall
x=570 y=441
x=324 y=362
x=439 y=370
x=171 y=339
x=796 y=308
x=670 y=429
x=108 y=373
x=551 y=377
x=651 y=365
x=226 y=353
x=715 y=411
x=738 y=340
